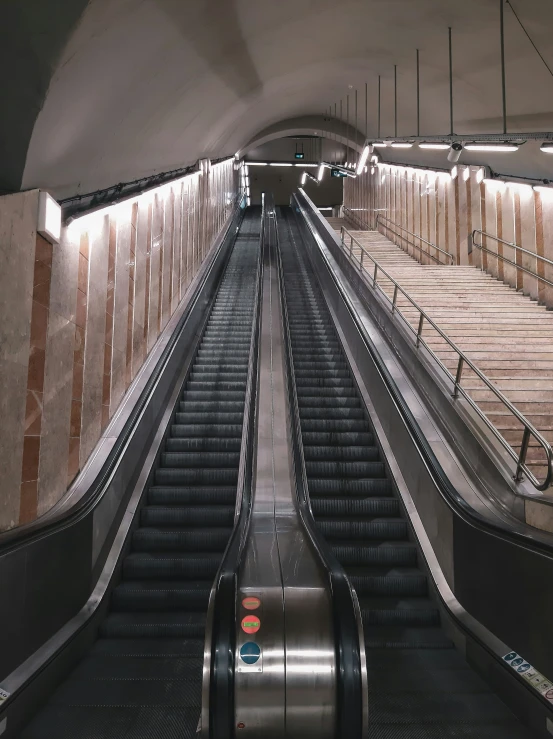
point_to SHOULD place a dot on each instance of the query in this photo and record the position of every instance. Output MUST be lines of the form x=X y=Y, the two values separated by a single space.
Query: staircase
x=508 y=336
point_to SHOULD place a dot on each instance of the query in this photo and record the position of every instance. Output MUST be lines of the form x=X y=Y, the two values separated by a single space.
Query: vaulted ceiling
x=99 y=92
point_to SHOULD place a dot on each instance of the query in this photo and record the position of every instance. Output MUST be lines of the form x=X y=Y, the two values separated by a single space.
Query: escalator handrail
x=348 y=629
x=223 y=603
x=22 y=535
x=444 y=485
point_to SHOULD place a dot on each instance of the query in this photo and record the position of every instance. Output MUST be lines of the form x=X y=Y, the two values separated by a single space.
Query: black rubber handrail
x=349 y=683
x=447 y=490
x=223 y=637
x=23 y=535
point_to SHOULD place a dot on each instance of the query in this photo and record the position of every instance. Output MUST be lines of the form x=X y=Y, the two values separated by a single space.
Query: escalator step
x=184 y=496
x=161 y=596
x=213 y=477
x=162 y=566
x=180 y=540
x=387 y=529
x=354 y=507
x=341 y=453
x=155 y=625
x=359 y=487
x=182 y=515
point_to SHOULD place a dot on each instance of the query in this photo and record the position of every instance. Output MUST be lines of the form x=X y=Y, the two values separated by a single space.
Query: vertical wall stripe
x=35 y=380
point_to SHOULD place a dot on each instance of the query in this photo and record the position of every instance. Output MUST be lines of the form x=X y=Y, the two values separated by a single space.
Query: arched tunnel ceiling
x=111 y=90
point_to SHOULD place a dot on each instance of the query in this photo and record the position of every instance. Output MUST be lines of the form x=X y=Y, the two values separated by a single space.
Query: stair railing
x=518 y=250
x=370 y=270
x=447 y=255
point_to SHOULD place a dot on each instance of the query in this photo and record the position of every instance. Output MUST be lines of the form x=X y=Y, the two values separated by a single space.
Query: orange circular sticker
x=251 y=624
x=251 y=603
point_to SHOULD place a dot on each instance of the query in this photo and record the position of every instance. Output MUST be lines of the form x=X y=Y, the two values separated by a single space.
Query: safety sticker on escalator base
x=4 y=695
x=538 y=681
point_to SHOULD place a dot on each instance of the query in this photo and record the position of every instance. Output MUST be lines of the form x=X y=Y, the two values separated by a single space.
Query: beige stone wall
x=79 y=318
x=445 y=211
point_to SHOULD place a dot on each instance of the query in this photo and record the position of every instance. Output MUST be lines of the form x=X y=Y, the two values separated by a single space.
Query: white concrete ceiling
x=117 y=89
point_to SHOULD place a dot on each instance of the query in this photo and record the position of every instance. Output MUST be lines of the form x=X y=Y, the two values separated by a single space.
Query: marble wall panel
x=18 y=214
x=546 y=292
x=96 y=336
x=507 y=199
x=463 y=227
x=527 y=229
x=156 y=264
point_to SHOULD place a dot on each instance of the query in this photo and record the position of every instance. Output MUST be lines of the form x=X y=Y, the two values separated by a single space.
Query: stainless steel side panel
x=290 y=691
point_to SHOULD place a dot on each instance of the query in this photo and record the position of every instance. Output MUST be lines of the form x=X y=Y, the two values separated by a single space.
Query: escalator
x=143 y=675
x=419 y=686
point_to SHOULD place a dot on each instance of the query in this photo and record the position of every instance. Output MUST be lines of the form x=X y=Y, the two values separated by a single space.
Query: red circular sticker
x=251 y=624
x=251 y=603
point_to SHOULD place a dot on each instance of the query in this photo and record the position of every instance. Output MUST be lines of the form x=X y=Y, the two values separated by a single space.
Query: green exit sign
x=300 y=155
x=338 y=173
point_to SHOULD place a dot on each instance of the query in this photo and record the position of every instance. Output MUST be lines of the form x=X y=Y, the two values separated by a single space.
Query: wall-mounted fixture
x=49 y=218
x=455 y=152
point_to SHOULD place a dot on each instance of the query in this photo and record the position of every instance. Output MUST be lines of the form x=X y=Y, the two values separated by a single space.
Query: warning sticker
x=4 y=695
x=251 y=624
x=535 y=678
x=251 y=603
x=250 y=652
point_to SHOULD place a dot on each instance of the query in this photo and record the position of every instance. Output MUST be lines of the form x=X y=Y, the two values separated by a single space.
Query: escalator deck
x=419 y=686
x=143 y=676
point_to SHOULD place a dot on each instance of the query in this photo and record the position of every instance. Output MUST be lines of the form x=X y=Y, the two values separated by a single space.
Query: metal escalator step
x=326 y=507
x=101 y=667
x=328 y=425
x=186 y=515
x=184 y=496
x=448 y=709
x=400 y=637
x=141 y=566
x=167 y=648
x=342 y=470
x=367 y=487
x=333 y=402
x=203 y=444
x=341 y=452
x=385 y=530
x=337 y=438
x=401 y=616
x=155 y=625
x=339 y=392
x=206 y=430
x=209 y=419
x=399 y=553
x=129 y=692
x=393 y=582
x=217 y=386
x=161 y=596
x=212 y=460
x=180 y=540
x=211 y=477
x=115 y=722
x=331 y=413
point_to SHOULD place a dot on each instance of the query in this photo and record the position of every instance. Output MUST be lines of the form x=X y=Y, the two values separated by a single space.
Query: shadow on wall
x=32 y=39
x=216 y=34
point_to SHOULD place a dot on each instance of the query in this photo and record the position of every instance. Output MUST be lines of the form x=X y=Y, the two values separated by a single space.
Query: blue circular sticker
x=250 y=652
x=516 y=662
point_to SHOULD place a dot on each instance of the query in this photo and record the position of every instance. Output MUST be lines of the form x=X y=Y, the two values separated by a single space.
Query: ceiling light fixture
x=380 y=144
x=303 y=178
x=321 y=172
x=402 y=145
x=364 y=157
x=547 y=147
x=257 y=164
x=431 y=145
x=491 y=147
